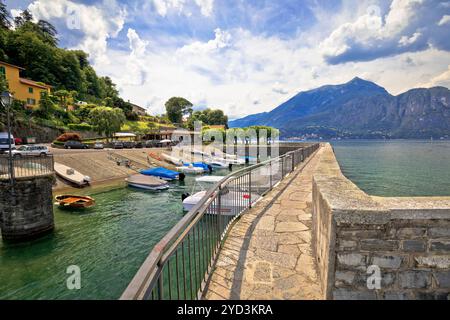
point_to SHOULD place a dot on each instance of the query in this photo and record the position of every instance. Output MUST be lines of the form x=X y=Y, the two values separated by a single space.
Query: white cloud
x=206 y=6
x=445 y=20
x=405 y=41
x=442 y=79
x=242 y=73
x=408 y=25
x=163 y=7
x=97 y=22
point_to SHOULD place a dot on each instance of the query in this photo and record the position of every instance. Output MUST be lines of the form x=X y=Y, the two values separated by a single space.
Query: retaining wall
x=357 y=237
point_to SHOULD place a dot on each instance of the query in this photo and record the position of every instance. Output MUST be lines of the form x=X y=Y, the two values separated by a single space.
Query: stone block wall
x=26 y=211
x=404 y=241
x=413 y=257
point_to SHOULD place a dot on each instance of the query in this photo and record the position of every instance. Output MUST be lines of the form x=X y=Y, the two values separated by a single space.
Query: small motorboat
x=232 y=201
x=195 y=168
x=77 y=202
x=216 y=164
x=163 y=173
x=173 y=160
x=190 y=169
x=147 y=182
x=71 y=175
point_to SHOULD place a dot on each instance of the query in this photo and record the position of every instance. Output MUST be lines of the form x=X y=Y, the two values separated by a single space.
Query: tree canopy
x=208 y=117
x=176 y=108
x=106 y=120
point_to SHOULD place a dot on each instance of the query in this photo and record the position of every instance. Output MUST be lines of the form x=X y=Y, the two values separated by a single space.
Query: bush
x=69 y=137
x=80 y=126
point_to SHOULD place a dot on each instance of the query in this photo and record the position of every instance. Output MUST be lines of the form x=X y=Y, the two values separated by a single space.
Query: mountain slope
x=359 y=108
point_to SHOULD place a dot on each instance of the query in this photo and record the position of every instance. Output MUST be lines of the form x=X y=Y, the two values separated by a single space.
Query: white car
x=30 y=151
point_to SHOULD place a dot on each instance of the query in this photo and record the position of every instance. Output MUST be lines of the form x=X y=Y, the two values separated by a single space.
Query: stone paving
x=267 y=254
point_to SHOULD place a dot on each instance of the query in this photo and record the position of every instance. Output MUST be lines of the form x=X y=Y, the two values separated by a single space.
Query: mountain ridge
x=359 y=109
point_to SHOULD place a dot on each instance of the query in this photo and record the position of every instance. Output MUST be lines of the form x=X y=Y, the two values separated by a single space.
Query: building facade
x=139 y=110
x=22 y=89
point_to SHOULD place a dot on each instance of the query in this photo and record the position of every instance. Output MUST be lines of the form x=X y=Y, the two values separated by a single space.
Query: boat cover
x=161 y=172
x=202 y=165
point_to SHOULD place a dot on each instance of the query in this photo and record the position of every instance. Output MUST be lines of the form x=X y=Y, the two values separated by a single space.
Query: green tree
x=106 y=120
x=63 y=96
x=48 y=32
x=46 y=106
x=24 y=17
x=208 y=117
x=176 y=108
x=4 y=16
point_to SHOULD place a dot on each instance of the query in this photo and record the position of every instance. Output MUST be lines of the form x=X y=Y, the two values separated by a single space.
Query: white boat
x=231 y=202
x=147 y=182
x=190 y=169
x=173 y=160
x=228 y=161
x=217 y=164
x=71 y=175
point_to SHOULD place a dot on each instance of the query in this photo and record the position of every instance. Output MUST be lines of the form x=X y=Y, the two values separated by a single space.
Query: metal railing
x=180 y=265
x=26 y=167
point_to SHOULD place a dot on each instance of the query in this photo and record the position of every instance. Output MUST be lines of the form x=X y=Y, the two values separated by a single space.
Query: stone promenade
x=267 y=254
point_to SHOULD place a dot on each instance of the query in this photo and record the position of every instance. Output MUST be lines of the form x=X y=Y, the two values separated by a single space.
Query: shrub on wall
x=69 y=137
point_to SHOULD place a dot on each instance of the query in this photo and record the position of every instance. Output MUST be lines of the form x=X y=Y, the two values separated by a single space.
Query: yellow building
x=22 y=89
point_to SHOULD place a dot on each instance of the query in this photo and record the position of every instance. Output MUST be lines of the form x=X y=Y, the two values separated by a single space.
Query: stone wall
x=406 y=240
x=26 y=211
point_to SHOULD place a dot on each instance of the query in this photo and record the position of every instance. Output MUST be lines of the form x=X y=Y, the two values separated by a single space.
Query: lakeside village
x=58 y=116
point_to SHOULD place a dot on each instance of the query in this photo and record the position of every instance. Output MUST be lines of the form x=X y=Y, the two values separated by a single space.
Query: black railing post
x=250 y=189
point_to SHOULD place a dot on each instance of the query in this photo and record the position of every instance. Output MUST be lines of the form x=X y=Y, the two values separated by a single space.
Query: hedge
x=80 y=126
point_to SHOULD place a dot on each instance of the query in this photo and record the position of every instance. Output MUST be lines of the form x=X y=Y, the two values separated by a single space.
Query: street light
x=7 y=99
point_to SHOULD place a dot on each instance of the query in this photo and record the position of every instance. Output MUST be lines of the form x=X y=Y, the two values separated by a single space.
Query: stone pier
x=318 y=236
x=26 y=210
x=268 y=253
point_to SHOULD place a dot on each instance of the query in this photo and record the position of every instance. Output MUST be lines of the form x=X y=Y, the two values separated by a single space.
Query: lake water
x=108 y=242
x=398 y=167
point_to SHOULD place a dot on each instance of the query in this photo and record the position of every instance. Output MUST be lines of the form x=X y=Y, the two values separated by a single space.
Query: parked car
x=4 y=145
x=139 y=145
x=18 y=141
x=99 y=146
x=118 y=145
x=128 y=144
x=30 y=151
x=75 y=145
x=153 y=144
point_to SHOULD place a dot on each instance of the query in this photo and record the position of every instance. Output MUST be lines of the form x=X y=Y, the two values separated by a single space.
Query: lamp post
x=7 y=99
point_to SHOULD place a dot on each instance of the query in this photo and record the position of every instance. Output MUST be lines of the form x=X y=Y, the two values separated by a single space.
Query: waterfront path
x=267 y=254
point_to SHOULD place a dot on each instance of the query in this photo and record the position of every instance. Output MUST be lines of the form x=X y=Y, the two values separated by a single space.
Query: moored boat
x=173 y=160
x=71 y=175
x=77 y=202
x=163 y=173
x=147 y=182
x=232 y=201
x=190 y=169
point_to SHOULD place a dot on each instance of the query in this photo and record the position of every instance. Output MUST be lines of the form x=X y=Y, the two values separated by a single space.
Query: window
x=31 y=101
x=2 y=70
x=30 y=90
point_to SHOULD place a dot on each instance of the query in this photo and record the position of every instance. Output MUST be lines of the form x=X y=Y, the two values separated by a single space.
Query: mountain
x=359 y=109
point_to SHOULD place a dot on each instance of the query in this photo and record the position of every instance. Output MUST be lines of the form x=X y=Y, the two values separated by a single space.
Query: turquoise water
x=108 y=242
x=396 y=168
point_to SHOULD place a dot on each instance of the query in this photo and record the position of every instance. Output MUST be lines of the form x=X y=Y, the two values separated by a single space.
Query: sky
x=249 y=56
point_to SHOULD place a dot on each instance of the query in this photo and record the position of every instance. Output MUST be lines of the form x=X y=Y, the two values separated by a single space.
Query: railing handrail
x=46 y=167
x=140 y=282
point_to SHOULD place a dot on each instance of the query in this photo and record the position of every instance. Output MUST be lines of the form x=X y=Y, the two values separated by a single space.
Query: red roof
x=33 y=83
x=11 y=65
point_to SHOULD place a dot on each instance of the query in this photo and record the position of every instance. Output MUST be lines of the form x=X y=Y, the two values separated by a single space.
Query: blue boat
x=204 y=166
x=162 y=173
